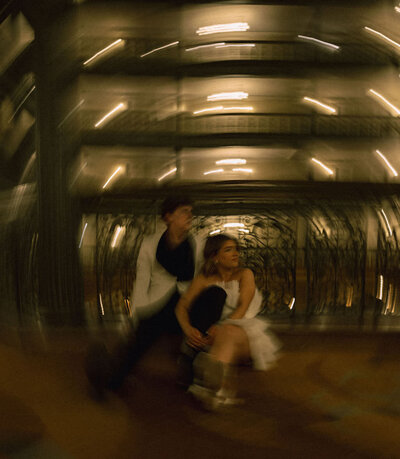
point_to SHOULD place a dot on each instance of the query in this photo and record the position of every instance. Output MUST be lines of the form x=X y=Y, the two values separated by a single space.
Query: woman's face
x=228 y=255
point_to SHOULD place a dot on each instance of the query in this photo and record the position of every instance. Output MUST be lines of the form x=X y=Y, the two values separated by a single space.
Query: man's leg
x=207 y=308
x=141 y=340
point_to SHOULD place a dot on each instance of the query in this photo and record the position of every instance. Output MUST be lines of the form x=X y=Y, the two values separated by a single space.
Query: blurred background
x=281 y=121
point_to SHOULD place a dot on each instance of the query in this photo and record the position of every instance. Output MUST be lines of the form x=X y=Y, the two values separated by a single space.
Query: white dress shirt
x=154 y=285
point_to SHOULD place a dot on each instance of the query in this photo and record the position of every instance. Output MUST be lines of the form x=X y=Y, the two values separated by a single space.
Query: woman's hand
x=195 y=338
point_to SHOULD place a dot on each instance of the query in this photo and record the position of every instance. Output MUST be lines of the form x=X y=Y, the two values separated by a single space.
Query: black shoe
x=185 y=371
x=98 y=370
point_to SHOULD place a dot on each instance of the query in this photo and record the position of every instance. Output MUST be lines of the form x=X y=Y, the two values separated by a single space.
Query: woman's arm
x=193 y=336
x=247 y=288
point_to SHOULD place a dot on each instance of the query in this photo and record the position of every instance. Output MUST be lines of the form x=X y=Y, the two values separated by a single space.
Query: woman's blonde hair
x=212 y=247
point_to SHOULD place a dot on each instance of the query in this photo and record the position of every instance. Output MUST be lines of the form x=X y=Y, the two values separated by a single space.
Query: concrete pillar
x=60 y=282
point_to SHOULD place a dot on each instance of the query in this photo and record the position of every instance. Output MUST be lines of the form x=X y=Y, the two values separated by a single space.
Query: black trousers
x=205 y=311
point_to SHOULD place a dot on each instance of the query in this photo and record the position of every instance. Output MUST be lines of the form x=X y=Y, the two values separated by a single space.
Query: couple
x=216 y=310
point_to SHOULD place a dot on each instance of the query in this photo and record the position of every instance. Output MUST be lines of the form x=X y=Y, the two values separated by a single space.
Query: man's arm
x=140 y=295
x=147 y=299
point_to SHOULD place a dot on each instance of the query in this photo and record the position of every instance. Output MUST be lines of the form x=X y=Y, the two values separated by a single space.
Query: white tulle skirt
x=264 y=345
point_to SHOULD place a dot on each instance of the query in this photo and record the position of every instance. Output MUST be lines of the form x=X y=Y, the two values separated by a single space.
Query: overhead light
x=330 y=171
x=112 y=176
x=160 y=48
x=234 y=225
x=204 y=110
x=214 y=171
x=383 y=37
x=214 y=232
x=387 y=223
x=222 y=28
x=397 y=9
x=83 y=233
x=101 y=305
x=167 y=174
x=243 y=230
x=237 y=45
x=120 y=107
x=67 y=117
x=242 y=169
x=232 y=161
x=222 y=108
x=385 y=101
x=246 y=109
x=393 y=170
x=21 y=103
x=379 y=295
x=319 y=42
x=320 y=104
x=113 y=45
x=291 y=304
x=212 y=45
x=116 y=234
x=236 y=95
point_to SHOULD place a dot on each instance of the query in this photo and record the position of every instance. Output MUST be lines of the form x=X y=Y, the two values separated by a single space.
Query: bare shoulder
x=245 y=274
x=200 y=280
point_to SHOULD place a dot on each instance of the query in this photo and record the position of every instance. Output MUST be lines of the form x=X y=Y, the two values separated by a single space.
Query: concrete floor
x=331 y=395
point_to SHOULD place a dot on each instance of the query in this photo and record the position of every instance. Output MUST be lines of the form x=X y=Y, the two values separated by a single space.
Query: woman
x=227 y=290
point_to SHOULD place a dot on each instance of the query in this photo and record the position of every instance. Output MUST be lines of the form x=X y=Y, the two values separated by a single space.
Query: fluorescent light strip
x=234 y=225
x=112 y=176
x=243 y=230
x=384 y=100
x=317 y=102
x=101 y=304
x=204 y=46
x=384 y=37
x=160 y=48
x=387 y=223
x=215 y=171
x=249 y=109
x=107 y=48
x=319 y=42
x=213 y=109
x=221 y=108
x=118 y=230
x=394 y=172
x=242 y=169
x=22 y=103
x=71 y=113
x=291 y=304
x=380 y=294
x=222 y=28
x=236 y=95
x=330 y=171
x=230 y=161
x=238 y=45
x=83 y=233
x=166 y=174
x=118 y=108
x=214 y=232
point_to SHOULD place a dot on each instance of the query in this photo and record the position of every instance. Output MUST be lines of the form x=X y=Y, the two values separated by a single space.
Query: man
x=167 y=262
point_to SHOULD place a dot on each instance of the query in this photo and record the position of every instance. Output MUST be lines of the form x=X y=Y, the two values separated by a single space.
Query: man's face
x=180 y=219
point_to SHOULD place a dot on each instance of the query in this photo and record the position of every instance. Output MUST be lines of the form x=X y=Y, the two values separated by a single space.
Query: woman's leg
x=231 y=345
x=205 y=311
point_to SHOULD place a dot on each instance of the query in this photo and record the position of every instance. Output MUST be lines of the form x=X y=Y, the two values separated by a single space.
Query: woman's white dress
x=263 y=344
